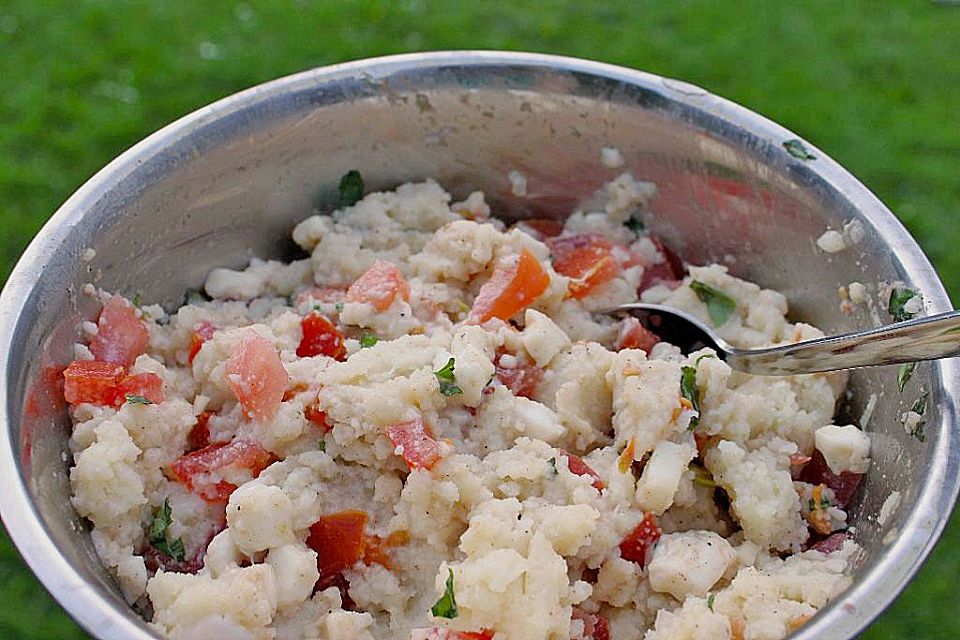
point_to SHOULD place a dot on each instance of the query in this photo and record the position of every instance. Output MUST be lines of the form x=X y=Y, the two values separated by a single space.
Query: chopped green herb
x=811 y=505
x=135 y=399
x=368 y=339
x=719 y=304
x=688 y=389
x=322 y=446
x=797 y=149
x=706 y=355
x=920 y=406
x=338 y=307
x=447 y=379
x=904 y=373
x=351 y=188
x=702 y=477
x=824 y=503
x=898 y=302
x=446 y=606
x=157 y=533
x=552 y=463
x=635 y=224
x=136 y=300
x=710 y=600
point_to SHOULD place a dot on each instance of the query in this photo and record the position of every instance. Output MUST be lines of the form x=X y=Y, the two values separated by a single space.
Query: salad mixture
x=424 y=431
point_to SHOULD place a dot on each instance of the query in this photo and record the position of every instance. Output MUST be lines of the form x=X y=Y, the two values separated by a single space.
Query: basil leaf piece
x=338 y=307
x=904 y=373
x=447 y=379
x=133 y=398
x=368 y=340
x=688 y=389
x=797 y=149
x=898 y=302
x=136 y=302
x=446 y=606
x=157 y=533
x=702 y=477
x=635 y=224
x=710 y=600
x=351 y=188
x=719 y=304
x=552 y=463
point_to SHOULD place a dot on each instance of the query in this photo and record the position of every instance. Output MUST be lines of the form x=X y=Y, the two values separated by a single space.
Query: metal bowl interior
x=229 y=181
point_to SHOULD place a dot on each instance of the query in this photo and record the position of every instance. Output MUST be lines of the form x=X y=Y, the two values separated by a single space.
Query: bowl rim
x=844 y=617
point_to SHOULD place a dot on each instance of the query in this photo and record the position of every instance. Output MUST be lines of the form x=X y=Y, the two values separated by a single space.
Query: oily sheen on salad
x=424 y=431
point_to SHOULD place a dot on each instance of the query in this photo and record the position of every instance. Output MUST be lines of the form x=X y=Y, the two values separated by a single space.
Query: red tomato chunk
x=199 y=436
x=586 y=259
x=91 y=381
x=379 y=286
x=256 y=376
x=581 y=468
x=522 y=377
x=633 y=335
x=418 y=448
x=668 y=272
x=320 y=338
x=201 y=334
x=638 y=544
x=844 y=485
x=208 y=472
x=595 y=627
x=121 y=335
x=338 y=539
x=512 y=288
x=145 y=385
x=314 y=414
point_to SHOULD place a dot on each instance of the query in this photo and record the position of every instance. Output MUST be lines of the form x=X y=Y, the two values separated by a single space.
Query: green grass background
x=875 y=84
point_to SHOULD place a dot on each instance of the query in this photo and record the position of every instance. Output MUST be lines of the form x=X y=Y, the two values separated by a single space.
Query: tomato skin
x=579 y=467
x=320 y=338
x=201 y=334
x=199 y=436
x=522 y=379
x=595 y=626
x=121 y=335
x=190 y=469
x=91 y=381
x=512 y=288
x=669 y=271
x=338 y=539
x=379 y=286
x=147 y=385
x=256 y=376
x=420 y=450
x=633 y=335
x=314 y=414
x=638 y=544
x=844 y=485
x=586 y=259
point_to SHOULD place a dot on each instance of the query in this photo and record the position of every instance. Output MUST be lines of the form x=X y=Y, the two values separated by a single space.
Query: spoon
x=921 y=339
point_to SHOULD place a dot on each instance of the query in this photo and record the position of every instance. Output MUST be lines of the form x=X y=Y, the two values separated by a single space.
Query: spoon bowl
x=900 y=343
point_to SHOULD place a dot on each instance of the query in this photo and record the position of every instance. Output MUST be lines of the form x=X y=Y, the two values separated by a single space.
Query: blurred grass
x=876 y=85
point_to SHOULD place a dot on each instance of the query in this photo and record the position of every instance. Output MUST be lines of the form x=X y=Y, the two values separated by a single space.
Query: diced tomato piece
x=210 y=472
x=638 y=544
x=521 y=378
x=595 y=627
x=634 y=335
x=91 y=381
x=314 y=414
x=669 y=271
x=581 y=468
x=379 y=286
x=338 y=539
x=121 y=335
x=541 y=228
x=256 y=376
x=797 y=462
x=512 y=288
x=147 y=385
x=418 y=448
x=844 y=485
x=201 y=334
x=586 y=259
x=375 y=548
x=199 y=436
x=442 y=633
x=320 y=338
x=831 y=543
x=321 y=294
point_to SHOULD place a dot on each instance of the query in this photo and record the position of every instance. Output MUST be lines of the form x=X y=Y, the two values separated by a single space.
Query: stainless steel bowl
x=229 y=181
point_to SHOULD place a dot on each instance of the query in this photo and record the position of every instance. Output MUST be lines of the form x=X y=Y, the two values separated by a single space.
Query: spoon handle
x=922 y=339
